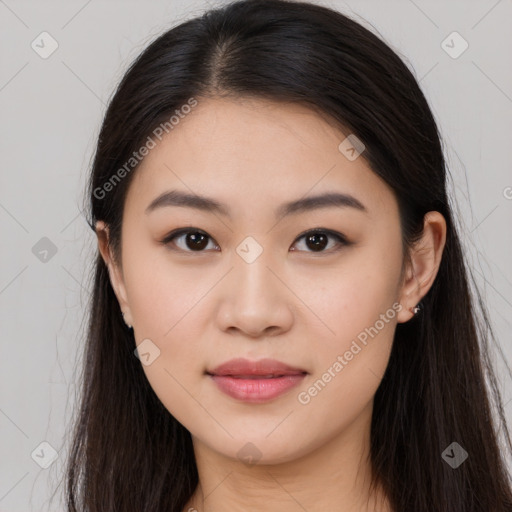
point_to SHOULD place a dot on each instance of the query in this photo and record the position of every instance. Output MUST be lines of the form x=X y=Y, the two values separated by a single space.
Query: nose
x=255 y=300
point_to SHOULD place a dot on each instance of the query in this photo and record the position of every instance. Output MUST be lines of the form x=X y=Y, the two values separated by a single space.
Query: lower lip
x=256 y=390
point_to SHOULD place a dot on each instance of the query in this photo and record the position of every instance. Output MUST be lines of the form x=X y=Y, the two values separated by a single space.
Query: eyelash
x=341 y=239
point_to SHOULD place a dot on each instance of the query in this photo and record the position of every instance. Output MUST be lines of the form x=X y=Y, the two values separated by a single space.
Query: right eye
x=192 y=240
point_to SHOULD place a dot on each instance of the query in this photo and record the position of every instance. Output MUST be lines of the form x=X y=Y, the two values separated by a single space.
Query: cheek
x=162 y=294
x=164 y=302
x=349 y=366
x=166 y=309
x=358 y=303
x=352 y=296
x=174 y=319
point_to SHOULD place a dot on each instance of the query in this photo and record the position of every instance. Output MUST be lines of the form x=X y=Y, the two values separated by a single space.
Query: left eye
x=318 y=239
x=196 y=240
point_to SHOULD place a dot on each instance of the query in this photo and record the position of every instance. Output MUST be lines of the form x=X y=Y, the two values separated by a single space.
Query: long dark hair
x=128 y=452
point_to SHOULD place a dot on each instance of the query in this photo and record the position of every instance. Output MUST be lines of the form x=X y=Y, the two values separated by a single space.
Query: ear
x=423 y=264
x=114 y=271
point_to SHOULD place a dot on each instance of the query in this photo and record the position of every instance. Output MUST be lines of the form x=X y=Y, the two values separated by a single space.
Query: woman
x=281 y=316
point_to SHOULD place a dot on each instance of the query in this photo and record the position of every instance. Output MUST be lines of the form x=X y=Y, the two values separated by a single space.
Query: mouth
x=262 y=368
x=254 y=377
x=256 y=389
x=255 y=381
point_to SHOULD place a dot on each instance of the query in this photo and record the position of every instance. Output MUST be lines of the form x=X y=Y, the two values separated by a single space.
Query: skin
x=293 y=304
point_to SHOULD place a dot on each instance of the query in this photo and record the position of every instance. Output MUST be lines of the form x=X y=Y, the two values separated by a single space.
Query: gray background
x=51 y=111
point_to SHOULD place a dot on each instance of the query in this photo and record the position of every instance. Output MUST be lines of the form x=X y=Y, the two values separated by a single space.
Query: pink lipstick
x=256 y=381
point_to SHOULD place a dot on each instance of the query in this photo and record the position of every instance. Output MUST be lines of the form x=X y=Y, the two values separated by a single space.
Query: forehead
x=252 y=150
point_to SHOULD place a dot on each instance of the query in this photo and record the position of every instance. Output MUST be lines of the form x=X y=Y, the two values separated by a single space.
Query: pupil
x=315 y=244
x=197 y=242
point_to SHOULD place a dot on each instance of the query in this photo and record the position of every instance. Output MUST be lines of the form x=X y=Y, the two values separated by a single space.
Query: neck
x=334 y=476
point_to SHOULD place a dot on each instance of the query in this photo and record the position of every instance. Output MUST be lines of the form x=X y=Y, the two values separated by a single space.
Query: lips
x=262 y=369
x=256 y=381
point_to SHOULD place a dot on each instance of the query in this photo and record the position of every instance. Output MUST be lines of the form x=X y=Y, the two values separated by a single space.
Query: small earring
x=416 y=309
x=127 y=324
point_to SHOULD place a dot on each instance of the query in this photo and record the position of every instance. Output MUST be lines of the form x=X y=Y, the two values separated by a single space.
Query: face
x=250 y=280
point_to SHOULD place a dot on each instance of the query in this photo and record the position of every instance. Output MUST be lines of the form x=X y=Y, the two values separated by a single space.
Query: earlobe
x=114 y=272
x=423 y=264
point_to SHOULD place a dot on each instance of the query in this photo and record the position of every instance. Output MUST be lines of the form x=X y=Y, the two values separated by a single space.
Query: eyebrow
x=330 y=199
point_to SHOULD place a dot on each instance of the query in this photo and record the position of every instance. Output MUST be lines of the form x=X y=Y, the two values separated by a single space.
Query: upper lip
x=264 y=367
